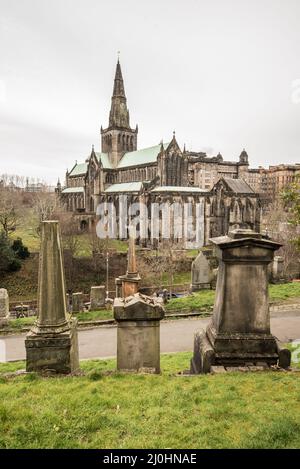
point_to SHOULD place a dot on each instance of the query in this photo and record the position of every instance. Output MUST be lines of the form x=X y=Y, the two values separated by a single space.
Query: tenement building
x=166 y=187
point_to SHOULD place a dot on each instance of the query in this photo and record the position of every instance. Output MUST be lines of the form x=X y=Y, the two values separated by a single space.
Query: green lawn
x=18 y=324
x=94 y=315
x=205 y=298
x=26 y=230
x=115 y=410
x=201 y=301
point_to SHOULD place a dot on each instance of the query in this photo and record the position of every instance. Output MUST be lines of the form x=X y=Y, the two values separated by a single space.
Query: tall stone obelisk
x=130 y=281
x=52 y=342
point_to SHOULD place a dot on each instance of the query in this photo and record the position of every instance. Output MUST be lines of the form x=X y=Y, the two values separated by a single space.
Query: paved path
x=176 y=336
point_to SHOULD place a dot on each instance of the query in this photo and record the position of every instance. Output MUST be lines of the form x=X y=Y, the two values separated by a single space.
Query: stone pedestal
x=201 y=273
x=77 y=302
x=138 y=335
x=53 y=352
x=97 y=298
x=130 y=284
x=52 y=343
x=4 y=307
x=239 y=332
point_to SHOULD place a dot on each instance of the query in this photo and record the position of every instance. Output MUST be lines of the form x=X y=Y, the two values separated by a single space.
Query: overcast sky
x=221 y=73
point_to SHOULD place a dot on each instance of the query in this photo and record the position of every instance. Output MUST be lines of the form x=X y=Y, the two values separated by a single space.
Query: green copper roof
x=72 y=190
x=125 y=187
x=103 y=158
x=135 y=158
x=79 y=169
x=178 y=189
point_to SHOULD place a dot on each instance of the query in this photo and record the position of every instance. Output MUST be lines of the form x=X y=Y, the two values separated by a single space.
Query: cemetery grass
x=205 y=298
x=18 y=324
x=106 y=409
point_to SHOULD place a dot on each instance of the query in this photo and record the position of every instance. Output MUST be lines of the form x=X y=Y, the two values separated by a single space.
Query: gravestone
x=138 y=333
x=239 y=331
x=202 y=274
x=97 y=297
x=4 y=307
x=278 y=269
x=77 y=302
x=52 y=343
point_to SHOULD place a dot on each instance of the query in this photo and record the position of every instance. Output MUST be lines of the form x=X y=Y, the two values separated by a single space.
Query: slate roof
x=178 y=189
x=103 y=158
x=125 y=187
x=79 y=169
x=239 y=186
x=72 y=190
x=139 y=157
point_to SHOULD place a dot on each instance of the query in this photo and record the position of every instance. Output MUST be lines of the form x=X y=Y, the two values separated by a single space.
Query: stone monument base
x=236 y=350
x=4 y=322
x=57 y=353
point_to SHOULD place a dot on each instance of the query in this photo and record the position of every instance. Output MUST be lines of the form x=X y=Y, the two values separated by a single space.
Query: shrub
x=10 y=254
x=21 y=251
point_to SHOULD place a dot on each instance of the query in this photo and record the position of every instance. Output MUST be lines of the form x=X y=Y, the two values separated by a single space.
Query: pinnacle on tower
x=119 y=114
x=119 y=83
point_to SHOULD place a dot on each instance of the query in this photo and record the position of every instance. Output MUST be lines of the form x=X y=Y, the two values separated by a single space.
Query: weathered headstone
x=278 y=269
x=239 y=332
x=138 y=333
x=52 y=343
x=97 y=297
x=4 y=307
x=77 y=302
x=202 y=274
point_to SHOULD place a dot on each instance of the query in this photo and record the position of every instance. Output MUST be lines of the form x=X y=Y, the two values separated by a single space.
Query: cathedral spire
x=119 y=83
x=119 y=114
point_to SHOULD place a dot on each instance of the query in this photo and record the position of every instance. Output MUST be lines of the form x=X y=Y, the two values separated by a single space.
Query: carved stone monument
x=138 y=334
x=239 y=332
x=52 y=344
x=138 y=317
x=202 y=274
x=130 y=281
x=97 y=297
x=4 y=307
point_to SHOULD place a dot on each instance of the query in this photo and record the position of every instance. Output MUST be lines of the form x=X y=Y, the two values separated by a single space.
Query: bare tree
x=278 y=226
x=45 y=205
x=9 y=212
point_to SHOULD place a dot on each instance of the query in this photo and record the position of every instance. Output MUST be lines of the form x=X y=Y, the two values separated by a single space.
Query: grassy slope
x=205 y=298
x=259 y=410
x=27 y=230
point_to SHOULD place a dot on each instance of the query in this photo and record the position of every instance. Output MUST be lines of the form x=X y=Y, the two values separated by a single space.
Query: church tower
x=118 y=138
